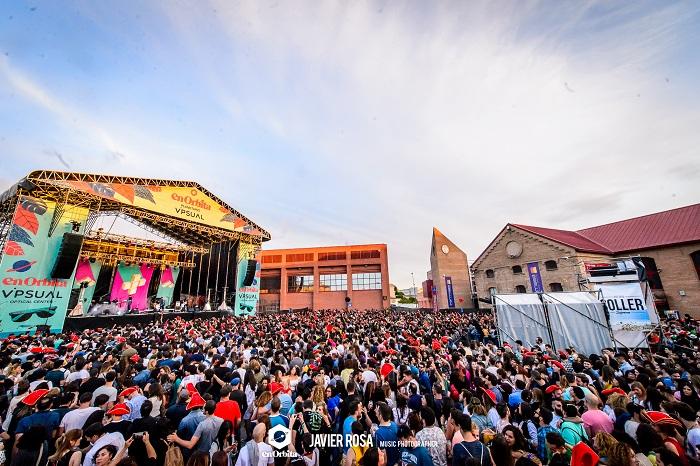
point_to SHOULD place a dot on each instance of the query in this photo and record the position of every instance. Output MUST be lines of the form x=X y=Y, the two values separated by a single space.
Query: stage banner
x=533 y=269
x=186 y=203
x=87 y=272
x=631 y=313
x=247 y=296
x=167 y=284
x=131 y=282
x=450 y=292
x=28 y=295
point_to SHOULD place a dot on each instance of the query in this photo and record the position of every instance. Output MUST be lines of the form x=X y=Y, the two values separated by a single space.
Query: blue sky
x=349 y=122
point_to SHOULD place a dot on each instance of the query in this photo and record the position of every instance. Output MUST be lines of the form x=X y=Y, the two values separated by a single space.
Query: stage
x=78 y=324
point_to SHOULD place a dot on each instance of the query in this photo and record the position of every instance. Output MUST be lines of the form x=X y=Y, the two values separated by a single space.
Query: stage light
x=92 y=260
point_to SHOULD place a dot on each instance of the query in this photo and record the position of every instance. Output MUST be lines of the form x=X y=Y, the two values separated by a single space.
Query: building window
x=336 y=282
x=367 y=281
x=307 y=257
x=696 y=262
x=300 y=284
x=370 y=254
x=551 y=265
x=520 y=289
x=270 y=284
x=490 y=274
x=276 y=259
x=554 y=287
x=331 y=256
x=492 y=291
x=517 y=269
x=652 y=273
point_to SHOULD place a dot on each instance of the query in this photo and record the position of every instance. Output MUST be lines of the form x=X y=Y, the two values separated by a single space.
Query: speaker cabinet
x=68 y=255
x=250 y=272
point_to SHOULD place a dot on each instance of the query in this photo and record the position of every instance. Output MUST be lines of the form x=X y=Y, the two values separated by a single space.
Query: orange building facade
x=325 y=278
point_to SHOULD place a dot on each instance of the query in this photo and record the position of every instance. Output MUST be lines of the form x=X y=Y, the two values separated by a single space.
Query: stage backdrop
x=87 y=272
x=131 y=281
x=28 y=296
x=167 y=284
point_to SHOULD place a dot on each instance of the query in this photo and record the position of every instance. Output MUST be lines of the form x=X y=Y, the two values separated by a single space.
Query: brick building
x=668 y=243
x=323 y=277
x=449 y=275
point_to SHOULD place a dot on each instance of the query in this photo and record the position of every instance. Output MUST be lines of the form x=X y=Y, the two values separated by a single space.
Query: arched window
x=696 y=262
x=489 y=273
x=517 y=269
x=551 y=265
x=520 y=289
x=554 y=287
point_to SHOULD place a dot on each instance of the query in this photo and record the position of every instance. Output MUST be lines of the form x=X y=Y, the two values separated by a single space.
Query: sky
x=333 y=123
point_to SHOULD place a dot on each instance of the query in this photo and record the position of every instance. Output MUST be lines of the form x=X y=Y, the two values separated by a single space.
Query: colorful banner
x=185 y=203
x=28 y=295
x=87 y=272
x=131 y=281
x=533 y=269
x=166 y=288
x=246 y=296
x=450 y=292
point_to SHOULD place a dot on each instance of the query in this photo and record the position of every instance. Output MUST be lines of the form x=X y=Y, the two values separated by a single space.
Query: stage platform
x=78 y=324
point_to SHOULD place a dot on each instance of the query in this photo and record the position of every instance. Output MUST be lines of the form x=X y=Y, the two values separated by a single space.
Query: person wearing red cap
x=43 y=416
x=133 y=399
x=205 y=433
x=117 y=420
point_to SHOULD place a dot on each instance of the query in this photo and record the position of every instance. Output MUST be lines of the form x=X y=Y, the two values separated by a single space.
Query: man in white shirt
x=80 y=373
x=76 y=418
x=95 y=434
x=262 y=451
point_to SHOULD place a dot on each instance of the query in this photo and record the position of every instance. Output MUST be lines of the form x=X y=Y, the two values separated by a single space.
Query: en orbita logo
x=21 y=266
x=279 y=437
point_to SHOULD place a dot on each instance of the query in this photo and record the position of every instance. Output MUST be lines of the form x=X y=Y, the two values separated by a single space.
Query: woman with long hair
x=518 y=444
x=157 y=397
x=401 y=411
x=621 y=454
x=261 y=405
x=501 y=451
x=479 y=414
x=688 y=395
x=68 y=452
x=602 y=443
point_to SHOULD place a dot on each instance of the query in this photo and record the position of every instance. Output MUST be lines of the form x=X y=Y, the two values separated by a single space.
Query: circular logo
x=21 y=266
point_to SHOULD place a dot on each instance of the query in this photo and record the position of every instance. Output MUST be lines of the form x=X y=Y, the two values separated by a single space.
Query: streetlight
x=415 y=292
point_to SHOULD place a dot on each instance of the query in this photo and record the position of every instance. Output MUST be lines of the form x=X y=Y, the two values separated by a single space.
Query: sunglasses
x=22 y=316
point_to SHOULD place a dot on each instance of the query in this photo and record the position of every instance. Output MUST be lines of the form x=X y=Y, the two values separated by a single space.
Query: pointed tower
x=450 y=271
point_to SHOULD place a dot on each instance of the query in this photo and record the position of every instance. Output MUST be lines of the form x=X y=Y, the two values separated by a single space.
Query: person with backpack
x=572 y=429
x=470 y=450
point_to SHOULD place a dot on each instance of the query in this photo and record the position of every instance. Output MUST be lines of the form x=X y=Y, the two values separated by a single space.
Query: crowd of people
x=397 y=387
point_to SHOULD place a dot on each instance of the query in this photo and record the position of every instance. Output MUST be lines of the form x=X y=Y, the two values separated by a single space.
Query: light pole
x=415 y=292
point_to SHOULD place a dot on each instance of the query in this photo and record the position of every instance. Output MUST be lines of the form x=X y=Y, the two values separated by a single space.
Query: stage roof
x=182 y=210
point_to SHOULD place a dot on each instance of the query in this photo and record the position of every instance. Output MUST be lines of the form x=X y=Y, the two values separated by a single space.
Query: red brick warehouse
x=323 y=277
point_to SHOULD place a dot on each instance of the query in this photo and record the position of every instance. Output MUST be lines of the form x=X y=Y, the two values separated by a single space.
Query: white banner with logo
x=631 y=312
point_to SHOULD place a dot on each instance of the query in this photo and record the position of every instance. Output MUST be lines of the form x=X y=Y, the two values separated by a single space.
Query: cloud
x=333 y=123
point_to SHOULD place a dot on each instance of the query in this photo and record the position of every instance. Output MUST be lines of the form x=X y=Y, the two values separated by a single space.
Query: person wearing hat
x=118 y=421
x=133 y=398
x=188 y=425
x=204 y=434
x=43 y=416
